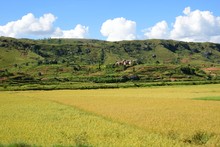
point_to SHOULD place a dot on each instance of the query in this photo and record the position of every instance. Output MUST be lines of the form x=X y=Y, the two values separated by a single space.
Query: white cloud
x=199 y=26
x=196 y=26
x=40 y=27
x=78 y=32
x=215 y=39
x=29 y=25
x=159 y=31
x=119 y=29
x=187 y=10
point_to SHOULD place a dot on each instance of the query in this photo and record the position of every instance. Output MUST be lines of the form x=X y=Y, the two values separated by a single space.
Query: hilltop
x=53 y=61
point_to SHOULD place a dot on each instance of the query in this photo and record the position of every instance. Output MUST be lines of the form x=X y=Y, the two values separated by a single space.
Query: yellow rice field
x=158 y=116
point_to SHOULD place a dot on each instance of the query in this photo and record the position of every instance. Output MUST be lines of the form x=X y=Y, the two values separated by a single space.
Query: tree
x=59 y=41
x=187 y=70
x=39 y=74
x=102 y=56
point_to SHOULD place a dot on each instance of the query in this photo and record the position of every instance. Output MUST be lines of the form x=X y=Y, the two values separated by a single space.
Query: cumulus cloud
x=29 y=25
x=78 y=32
x=159 y=31
x=119 y=29
x=195 y=25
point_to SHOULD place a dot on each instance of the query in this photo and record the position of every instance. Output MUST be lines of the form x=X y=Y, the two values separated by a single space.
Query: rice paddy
x=157 y=116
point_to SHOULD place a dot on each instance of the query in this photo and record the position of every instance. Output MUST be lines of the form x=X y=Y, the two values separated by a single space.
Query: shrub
x=39 y=74
x=19 y=145
x=134 y=78
x=187 y=70
x=81 y=140
x=199 y=138
x=124 y=79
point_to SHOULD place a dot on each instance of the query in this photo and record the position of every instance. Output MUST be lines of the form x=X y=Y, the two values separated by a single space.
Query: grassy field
x=157 y=116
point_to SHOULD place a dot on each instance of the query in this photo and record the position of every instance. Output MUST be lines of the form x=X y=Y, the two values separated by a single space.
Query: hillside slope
x=80 y=60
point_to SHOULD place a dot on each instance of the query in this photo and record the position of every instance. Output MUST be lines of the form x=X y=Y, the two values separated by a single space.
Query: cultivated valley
x=79 y=92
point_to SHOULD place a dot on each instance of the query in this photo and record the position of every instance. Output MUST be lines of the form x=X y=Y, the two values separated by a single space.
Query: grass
x=154 y=116
x=62 y=85
x=32 y=121
x=9 y=57
x=208 y=98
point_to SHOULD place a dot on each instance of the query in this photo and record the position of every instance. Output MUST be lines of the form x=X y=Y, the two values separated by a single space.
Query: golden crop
x=159 y=116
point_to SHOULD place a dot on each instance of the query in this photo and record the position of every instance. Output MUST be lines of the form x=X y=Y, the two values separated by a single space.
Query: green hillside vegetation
x=74 y=61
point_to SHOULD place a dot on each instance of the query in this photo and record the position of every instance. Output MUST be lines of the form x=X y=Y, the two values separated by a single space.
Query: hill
x=46 y=61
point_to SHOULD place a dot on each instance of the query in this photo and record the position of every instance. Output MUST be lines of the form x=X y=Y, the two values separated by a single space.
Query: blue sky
x=140 y=16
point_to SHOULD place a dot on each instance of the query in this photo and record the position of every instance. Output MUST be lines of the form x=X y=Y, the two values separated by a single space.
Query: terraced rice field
x=157 y=116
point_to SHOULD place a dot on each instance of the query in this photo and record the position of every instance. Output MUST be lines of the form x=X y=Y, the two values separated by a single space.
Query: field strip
x=95 y=114
x=211 y=98
x=26 y=119
x=163 y=112
x=109 y=119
